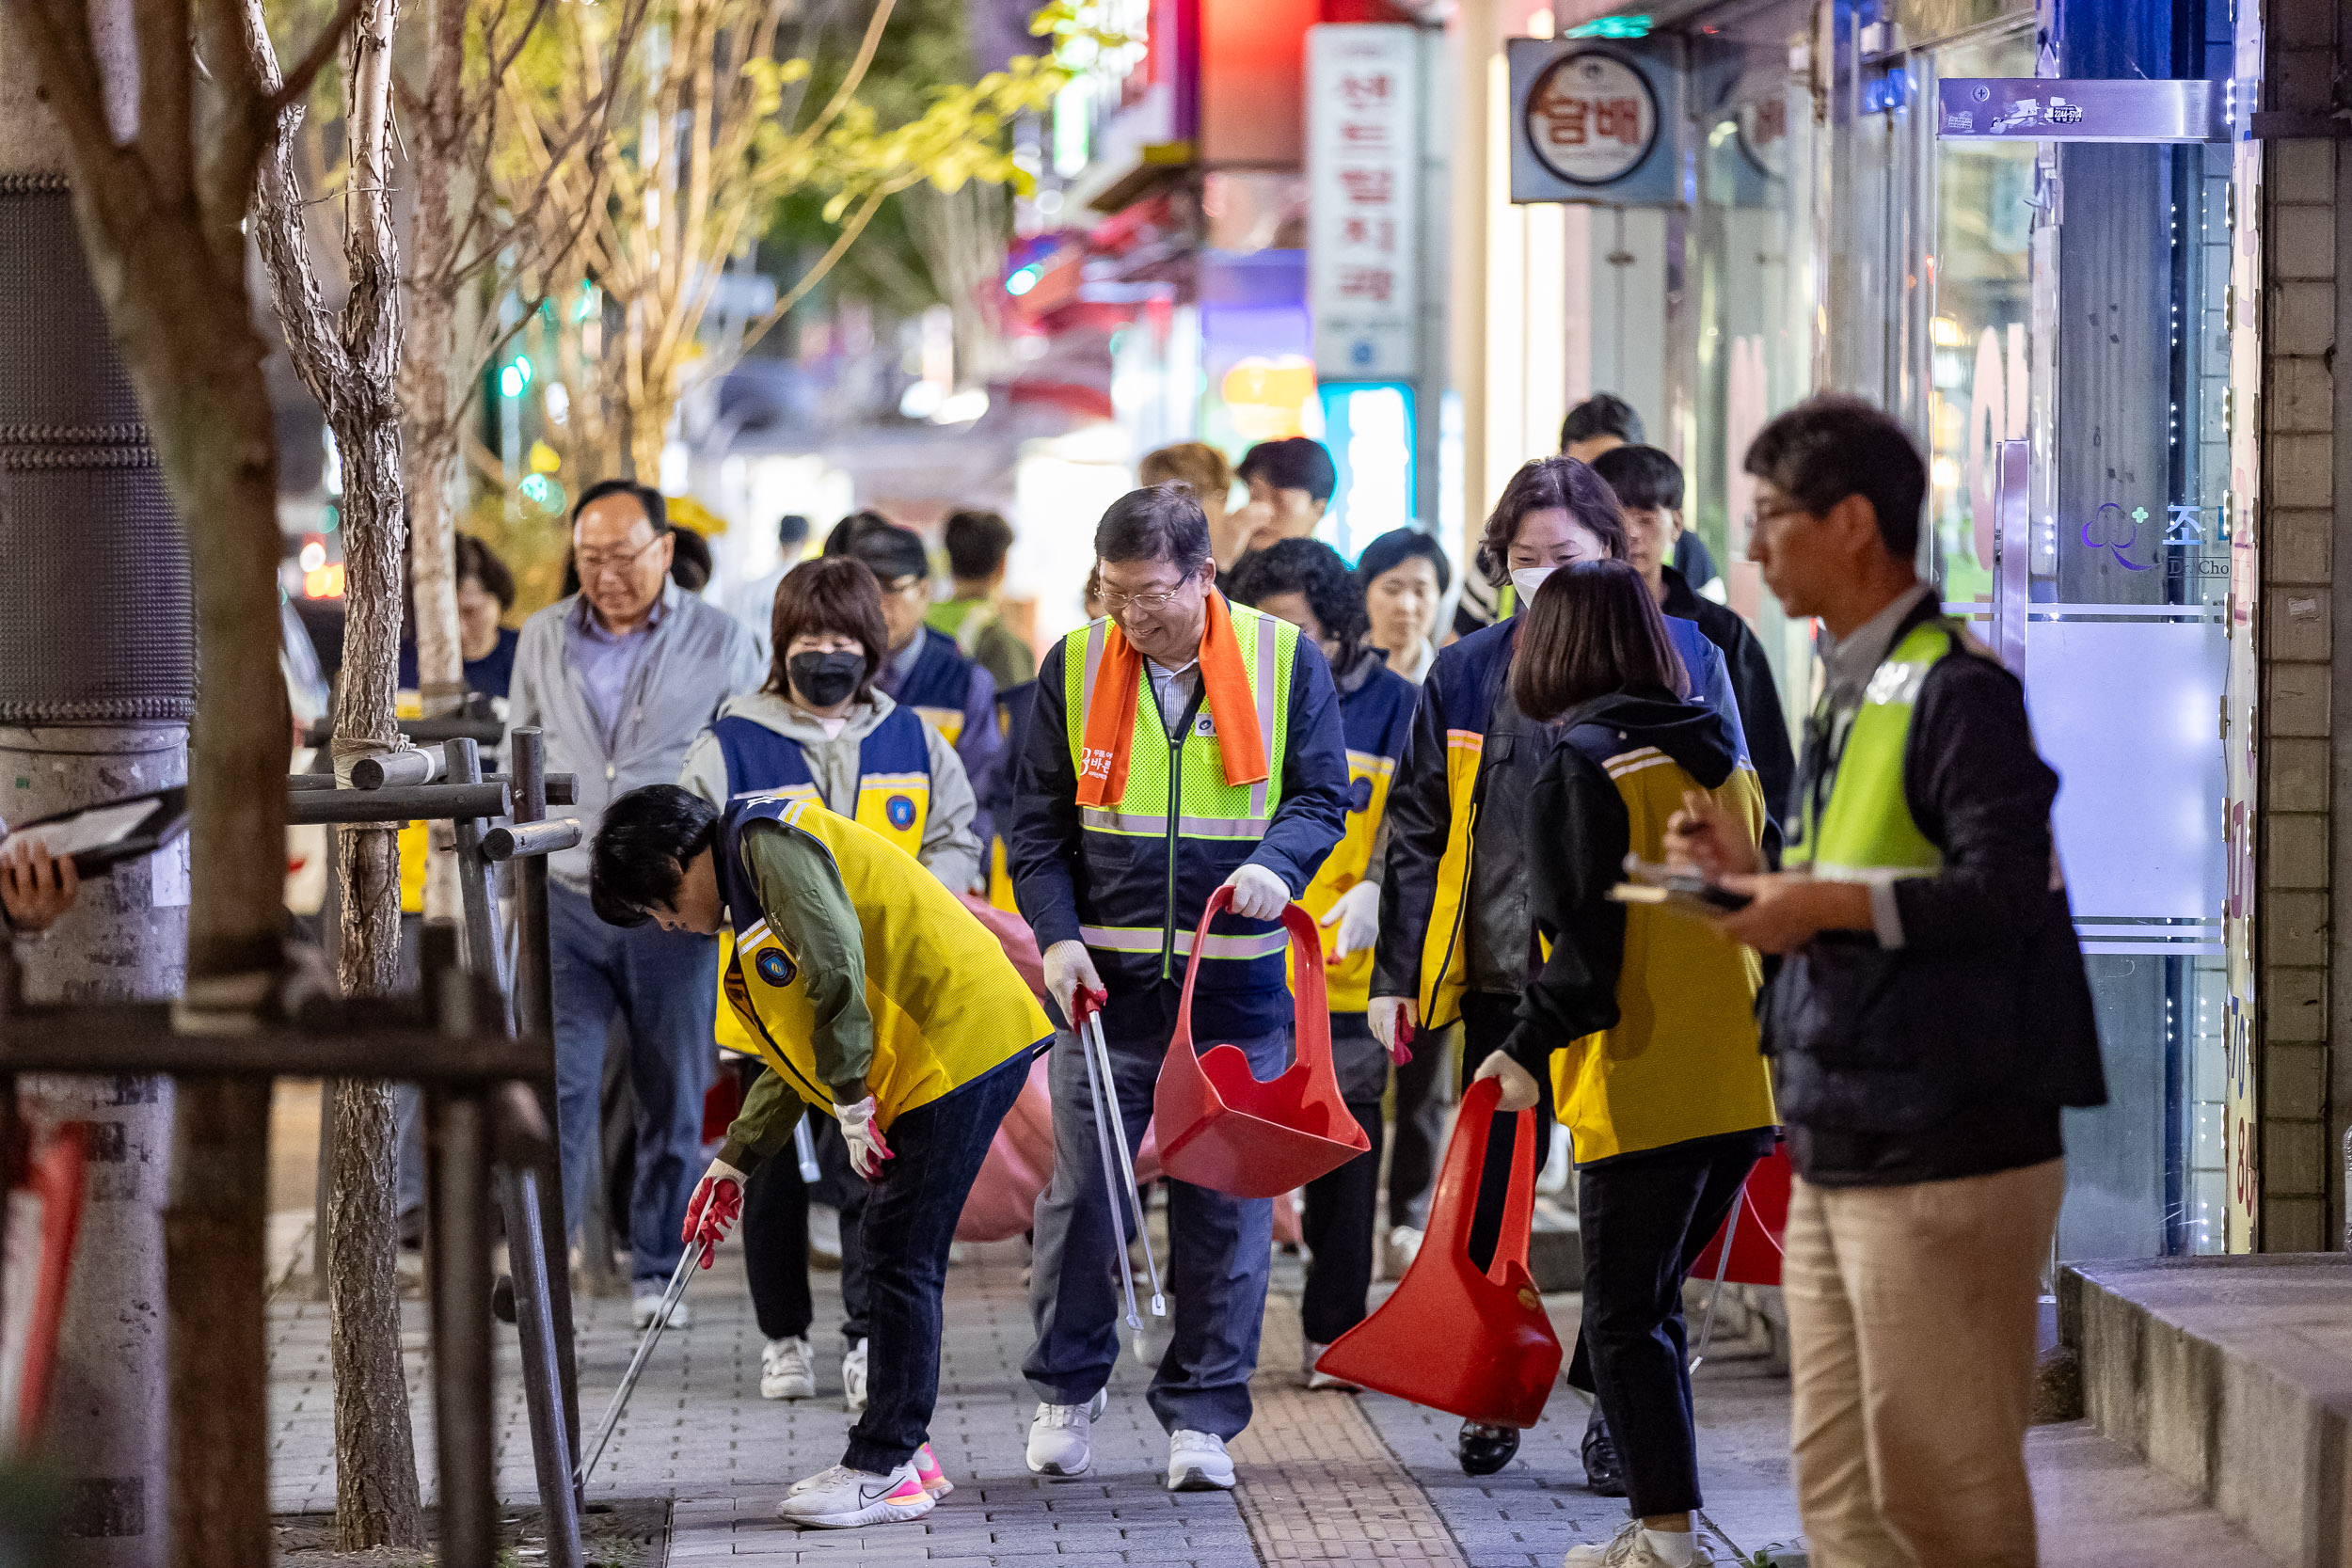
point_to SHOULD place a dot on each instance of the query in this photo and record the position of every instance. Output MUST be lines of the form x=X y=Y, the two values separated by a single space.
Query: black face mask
x=825 y=679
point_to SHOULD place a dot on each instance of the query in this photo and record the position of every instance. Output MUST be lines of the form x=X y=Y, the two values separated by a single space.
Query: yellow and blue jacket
x=1642 y=1017
x=1449 y=857
x=1375 y=714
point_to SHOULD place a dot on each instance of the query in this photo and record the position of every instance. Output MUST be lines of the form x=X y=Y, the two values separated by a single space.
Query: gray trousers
x=1221 y=1254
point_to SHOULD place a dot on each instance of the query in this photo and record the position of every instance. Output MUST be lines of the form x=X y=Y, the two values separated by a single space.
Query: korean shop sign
x=2043 y=108
x=1364 y=147
x=1594 y=121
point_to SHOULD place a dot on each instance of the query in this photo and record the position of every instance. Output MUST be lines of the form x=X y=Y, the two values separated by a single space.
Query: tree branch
x=856 y=74
x=296 y=85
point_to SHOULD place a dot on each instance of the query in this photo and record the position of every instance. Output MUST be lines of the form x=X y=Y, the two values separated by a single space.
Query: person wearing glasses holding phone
x=1929 y=1021
x=622 y=676
x=1178 y=746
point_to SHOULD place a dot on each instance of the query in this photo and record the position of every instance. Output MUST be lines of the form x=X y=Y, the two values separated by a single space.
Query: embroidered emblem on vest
x=901 y=811
x=775 y=968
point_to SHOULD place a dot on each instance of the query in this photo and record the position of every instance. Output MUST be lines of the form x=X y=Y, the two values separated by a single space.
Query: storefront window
x=1750 y=267
x=1977 y=377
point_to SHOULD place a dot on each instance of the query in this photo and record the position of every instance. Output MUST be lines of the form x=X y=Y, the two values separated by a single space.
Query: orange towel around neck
x=1119 y=684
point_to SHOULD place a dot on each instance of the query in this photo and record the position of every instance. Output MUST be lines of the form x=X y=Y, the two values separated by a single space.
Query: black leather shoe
x=1484 y=1449
x=1604 y=1476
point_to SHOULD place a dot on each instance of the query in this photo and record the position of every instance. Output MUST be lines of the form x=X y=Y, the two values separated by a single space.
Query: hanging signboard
x=1364 y=168
x=1594 y=123
x=2043 y=108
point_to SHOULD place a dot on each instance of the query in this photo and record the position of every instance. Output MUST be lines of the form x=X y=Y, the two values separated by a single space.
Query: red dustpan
x=1756 y=1225
x=1474 y=1345
x=1219 y=1126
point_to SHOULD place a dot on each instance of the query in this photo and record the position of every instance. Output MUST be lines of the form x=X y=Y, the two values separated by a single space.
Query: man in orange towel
x=1180 y=745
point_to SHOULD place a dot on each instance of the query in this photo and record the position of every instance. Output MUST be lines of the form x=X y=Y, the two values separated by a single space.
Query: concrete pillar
x=97 y=687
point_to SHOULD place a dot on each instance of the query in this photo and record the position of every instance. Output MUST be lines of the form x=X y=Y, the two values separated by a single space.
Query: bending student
x=871 y=991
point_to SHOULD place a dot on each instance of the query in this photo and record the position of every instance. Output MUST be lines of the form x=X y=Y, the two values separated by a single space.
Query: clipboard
x=101 y=837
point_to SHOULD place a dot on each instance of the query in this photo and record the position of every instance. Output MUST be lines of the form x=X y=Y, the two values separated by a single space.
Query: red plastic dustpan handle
x=1519 y=1204
x=1448 y=1234
x=1311 y=1003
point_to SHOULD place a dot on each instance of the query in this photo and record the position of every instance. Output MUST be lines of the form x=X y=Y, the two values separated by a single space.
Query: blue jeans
x=665 y=985
x=909 y=1221
x=1221 y=1247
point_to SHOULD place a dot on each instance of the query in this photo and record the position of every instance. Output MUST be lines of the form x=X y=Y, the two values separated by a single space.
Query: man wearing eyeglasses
x=621 y=676
x=1180 y=746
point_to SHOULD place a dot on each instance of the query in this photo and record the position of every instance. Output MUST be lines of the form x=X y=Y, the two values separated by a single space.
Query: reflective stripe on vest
x=1865 y=831
x=1147 y=938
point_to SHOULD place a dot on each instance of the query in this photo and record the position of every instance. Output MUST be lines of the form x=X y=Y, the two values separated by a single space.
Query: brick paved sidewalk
x=1326 y=1477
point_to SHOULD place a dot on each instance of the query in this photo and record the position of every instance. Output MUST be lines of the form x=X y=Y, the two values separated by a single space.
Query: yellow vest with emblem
x=947 y=1006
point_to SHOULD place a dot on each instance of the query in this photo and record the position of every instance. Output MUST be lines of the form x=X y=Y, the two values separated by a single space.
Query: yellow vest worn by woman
x=947 y=1006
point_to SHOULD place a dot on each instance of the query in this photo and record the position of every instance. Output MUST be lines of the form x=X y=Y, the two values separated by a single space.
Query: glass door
x=2075 y=295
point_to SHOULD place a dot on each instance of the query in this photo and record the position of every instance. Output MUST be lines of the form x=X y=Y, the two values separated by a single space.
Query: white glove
x=1069 y=970
x=866 y=1148
x=1358 y=916
x=1519 y=1089
x=1258 y=894
x=1393 y=1020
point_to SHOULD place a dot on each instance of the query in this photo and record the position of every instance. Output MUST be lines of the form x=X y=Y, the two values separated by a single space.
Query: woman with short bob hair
x=818 y=729
x=1641 y=1022
x=1455 y=936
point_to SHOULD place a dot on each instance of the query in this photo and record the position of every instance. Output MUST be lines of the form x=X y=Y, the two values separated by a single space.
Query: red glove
x=711 y=1212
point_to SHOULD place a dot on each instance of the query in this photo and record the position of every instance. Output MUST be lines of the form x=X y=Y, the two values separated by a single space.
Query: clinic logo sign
x=1592 y=118
x=1597 y=122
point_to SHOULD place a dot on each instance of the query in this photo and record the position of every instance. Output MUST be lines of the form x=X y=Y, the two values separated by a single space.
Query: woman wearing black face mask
x=818 y=729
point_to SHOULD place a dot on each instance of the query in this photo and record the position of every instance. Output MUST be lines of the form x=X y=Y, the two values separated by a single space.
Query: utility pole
x=97 y=688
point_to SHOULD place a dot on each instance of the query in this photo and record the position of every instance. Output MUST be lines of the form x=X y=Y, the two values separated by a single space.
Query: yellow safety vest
x=947 y=1004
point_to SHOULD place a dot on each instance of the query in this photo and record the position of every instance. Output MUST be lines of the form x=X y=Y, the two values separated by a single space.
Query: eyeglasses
x=1760 y=516
x=1115 y=603
x=599 y=562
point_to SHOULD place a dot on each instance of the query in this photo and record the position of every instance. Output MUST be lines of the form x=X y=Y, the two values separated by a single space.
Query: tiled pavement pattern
x=1322 y=1477
x=1325 y=1477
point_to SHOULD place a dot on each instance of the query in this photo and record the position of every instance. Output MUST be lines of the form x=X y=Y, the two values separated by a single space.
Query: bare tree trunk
x=436 y=144
x=160 y=208
x=350 y=366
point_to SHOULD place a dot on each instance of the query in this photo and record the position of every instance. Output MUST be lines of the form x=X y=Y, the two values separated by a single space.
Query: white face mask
x=1526 y=580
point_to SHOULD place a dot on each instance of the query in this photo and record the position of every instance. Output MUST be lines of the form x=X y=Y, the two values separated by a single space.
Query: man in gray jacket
x=622 y=676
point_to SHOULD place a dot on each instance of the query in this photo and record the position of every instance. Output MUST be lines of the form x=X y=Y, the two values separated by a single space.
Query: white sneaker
x=646 y=1303
x=824 y=1236
x=843 y=1498
x=1554 y=1179
x=854 y=1380
x=787 y=1370
x=1404 y=1246
x=1634 y=1547
x=1197 y=1462
x=1057 y=1436
x=1321 y=1379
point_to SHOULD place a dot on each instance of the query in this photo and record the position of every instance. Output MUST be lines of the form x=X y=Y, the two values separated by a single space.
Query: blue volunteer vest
x=894 y=764
x=939 y=686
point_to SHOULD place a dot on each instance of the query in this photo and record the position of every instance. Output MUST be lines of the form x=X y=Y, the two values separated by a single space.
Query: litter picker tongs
x=637 y=1363
x=1118 y=1169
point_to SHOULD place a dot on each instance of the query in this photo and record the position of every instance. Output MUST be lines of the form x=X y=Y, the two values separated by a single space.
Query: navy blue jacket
x=1058 y=887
